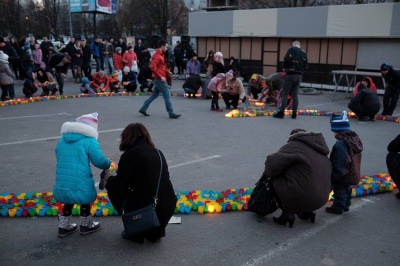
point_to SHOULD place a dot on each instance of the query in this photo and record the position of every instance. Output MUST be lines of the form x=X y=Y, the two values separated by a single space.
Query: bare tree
x=11 y=13
x=150 y=17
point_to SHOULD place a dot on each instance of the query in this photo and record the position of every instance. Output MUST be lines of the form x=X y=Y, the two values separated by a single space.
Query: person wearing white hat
x=6 y=78
x=76 y=150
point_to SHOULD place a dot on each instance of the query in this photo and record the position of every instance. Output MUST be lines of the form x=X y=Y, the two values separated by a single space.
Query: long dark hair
x=131 y=133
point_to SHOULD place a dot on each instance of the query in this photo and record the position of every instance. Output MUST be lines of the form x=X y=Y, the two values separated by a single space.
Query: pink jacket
x=217 y=83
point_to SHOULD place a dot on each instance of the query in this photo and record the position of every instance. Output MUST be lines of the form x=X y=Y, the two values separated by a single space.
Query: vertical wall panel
x=202 y=47
x=313 y=51
x=324 y=51
x=256 y=49
x=225 y=47
x=270 y=58
x=234 y=47
x=270 y=44
x=335 y=51
x=285 y=45
x=246 y=48
x=211 y=44
x=349 y=56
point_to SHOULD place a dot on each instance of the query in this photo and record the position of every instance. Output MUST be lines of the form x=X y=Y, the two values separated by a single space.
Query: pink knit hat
x=89 y=119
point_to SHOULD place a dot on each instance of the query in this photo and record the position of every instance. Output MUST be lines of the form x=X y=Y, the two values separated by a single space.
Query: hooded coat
x=76 y=149
x=346 y=158
x=300 y=172
x=137 y=179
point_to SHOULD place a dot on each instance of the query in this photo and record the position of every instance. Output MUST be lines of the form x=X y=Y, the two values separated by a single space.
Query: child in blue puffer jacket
x=76 y=149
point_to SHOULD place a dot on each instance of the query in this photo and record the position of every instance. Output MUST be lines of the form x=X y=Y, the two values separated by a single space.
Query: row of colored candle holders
x=75 y=96
x=208 y=201
x=257 y=111
x=200 y=201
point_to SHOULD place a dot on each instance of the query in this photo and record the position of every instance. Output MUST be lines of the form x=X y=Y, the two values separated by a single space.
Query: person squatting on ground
x=255 y=86
x=85 y=87
x=192 y=85
x=392 y=90
x=47 y=82
x=145 y=78
x=100 y=81
x=75 y=151
x=366 y=103
x=160 y=76
x=300 y=174
x=294 y=64
x=216 y=85
x=6 y=78
x=137 y=179
x=115 y=84
x=272 y=87
x=30 y=86
x=129 y=80
x=234 y=94
x=346 y=163
x=393 y=162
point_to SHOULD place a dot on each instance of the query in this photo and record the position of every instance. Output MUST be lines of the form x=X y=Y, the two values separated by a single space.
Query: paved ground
x=367 y=235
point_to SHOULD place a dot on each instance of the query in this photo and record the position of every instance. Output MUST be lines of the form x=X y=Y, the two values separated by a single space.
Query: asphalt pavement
x=204 y=150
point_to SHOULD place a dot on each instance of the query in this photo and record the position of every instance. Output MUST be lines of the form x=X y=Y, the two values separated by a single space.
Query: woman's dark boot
x=286 y=217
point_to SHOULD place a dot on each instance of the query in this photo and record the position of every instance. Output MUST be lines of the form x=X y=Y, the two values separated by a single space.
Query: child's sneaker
x=88 y=226
x=65 y=227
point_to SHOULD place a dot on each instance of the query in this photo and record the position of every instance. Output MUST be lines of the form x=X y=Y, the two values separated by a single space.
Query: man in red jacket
x=100 y=81
x=160 y=75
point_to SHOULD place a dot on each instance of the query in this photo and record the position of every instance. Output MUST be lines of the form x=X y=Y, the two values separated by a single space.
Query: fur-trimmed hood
x=78 y=131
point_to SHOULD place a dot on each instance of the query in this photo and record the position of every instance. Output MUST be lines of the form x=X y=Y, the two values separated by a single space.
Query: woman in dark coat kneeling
x=137 y=179
x=301 y=175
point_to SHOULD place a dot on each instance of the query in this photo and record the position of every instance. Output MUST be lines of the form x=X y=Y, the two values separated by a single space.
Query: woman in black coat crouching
x=137 y=179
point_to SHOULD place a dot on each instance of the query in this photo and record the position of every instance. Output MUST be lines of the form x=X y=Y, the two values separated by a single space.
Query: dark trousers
x=342 y=196
x=291 y=85
x=362 y=111
x=72 y=67
x=390 y=99
x=67 y=210
x=178 y=64
x=230 y=99
x=60 y=81
x=393 y=166
x=7 y=90
x=87 y=69
x=98 y=63
x=214 y=100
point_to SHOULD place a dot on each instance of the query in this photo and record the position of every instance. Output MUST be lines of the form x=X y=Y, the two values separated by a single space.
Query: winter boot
x=64 y=226
x=88 y=226
x=279 y=114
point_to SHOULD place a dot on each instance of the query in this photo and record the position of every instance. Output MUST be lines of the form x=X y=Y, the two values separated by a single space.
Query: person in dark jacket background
x=294 y=64
x=393 y=162
x=137 y=179
x=392 y=90
x=366 y=103
x=346 y=162
x=192 y=85
x=300 y=173
x=59 y=63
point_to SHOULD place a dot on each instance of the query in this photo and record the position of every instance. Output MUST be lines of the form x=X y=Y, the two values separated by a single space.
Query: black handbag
x=262 y=200
x=138 y=222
